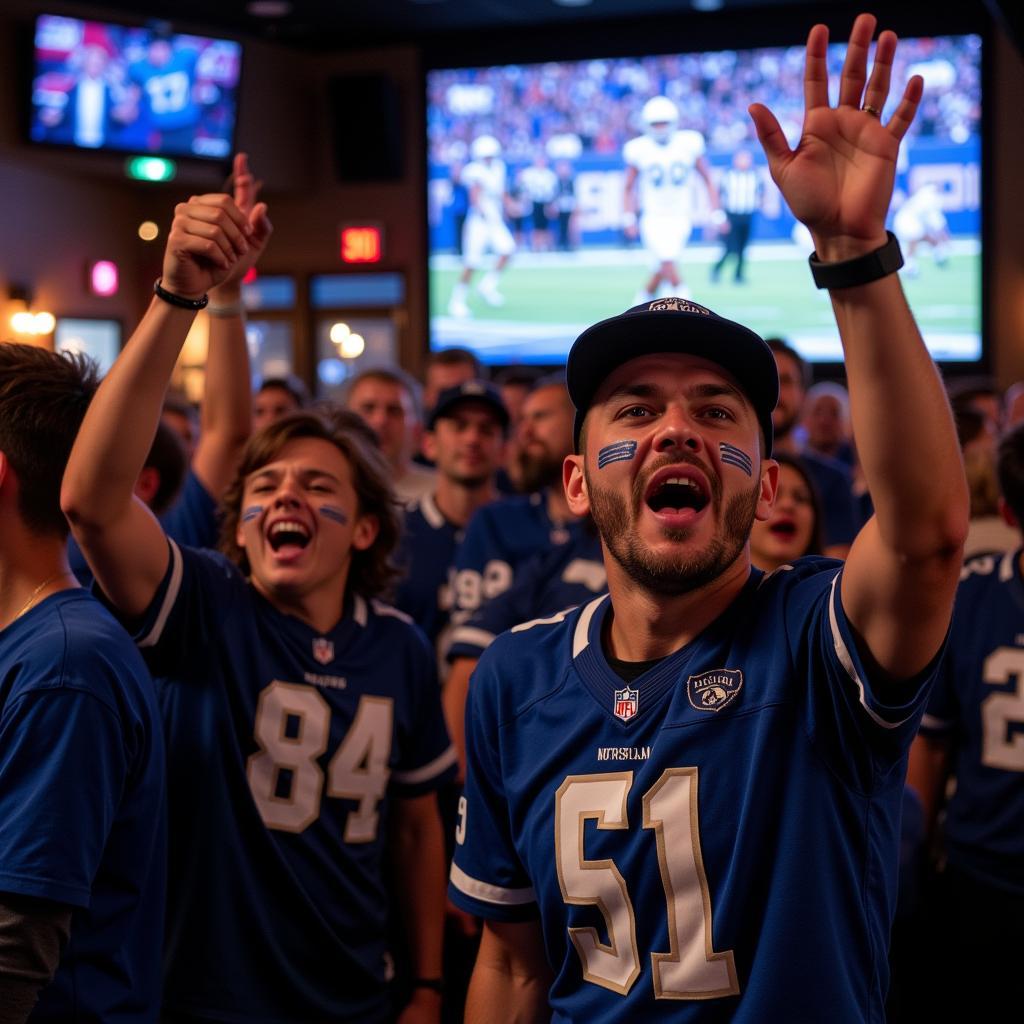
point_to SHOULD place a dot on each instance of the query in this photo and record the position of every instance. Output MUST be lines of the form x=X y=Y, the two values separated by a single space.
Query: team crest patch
x=627 y=702
x=323 y=650
x=678 y=306
x=712 y=691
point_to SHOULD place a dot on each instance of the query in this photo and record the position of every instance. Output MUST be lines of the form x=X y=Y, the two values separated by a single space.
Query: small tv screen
x=564 y=192
x=102 y=86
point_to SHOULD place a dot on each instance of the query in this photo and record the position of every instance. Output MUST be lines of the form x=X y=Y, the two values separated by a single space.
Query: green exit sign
x=151 y=168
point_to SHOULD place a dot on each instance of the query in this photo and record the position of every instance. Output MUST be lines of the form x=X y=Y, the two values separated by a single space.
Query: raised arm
x=226 y=410
x=900 y=578
x=121 y=539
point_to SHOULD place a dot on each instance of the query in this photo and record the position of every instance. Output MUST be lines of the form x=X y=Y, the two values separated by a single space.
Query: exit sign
x=362 y=243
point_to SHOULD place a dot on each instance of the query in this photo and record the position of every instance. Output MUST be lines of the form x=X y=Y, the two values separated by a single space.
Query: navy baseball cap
x=673 y=325
x=469 y=390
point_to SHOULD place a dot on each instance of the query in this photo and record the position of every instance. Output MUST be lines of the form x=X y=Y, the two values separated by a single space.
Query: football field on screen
x=550 y=297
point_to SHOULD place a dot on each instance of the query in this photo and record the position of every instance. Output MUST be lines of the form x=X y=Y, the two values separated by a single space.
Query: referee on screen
x=740 y=190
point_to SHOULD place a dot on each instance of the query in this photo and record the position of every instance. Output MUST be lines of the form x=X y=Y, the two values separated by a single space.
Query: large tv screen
x=98 y=85
x=535 y=217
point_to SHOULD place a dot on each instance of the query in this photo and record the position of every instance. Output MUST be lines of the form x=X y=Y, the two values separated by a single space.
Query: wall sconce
x=23 y=320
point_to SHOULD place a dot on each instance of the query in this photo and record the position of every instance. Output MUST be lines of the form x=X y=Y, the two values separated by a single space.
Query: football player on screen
x=484 y=230
x=682 y=799
x=659 y=202
x=305 y=737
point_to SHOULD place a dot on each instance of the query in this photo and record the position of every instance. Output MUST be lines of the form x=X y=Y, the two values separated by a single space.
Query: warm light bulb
x=339 y=332
x=44 y=323
x=23 y=323
x=352 y=347
x=148 y=230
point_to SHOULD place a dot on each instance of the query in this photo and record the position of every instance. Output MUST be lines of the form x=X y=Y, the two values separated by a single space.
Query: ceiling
x=350 y=24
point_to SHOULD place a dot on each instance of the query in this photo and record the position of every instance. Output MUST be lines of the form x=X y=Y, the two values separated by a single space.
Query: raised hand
x=212 y=240
x=839 y=178
x=246 y=188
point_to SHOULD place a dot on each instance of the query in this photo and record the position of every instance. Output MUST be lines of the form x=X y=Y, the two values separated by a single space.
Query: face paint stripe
x=733 y=456
x=251 y=513
x=333 y=512
x=621 y=451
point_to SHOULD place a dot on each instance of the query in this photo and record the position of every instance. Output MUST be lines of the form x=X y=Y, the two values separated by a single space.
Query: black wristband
x=177 y=300
x=434 y=984
x=861 y=269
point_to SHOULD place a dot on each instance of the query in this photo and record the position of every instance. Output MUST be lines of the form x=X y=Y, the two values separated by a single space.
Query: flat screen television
x=556 y=132
x=102 y=86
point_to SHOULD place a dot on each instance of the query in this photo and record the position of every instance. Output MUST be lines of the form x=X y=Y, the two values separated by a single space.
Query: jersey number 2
x=691 y=969
x=1003 y=748
x=293 y=725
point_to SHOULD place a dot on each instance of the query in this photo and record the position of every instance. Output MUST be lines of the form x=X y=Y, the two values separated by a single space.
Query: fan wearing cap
x=485 y=230
x=465 y=438
x=682 y=800
x=658 y=197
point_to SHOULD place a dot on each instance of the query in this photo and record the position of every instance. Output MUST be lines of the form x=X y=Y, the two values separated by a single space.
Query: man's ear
x=1004 y=510
x=769 y=487
x=365 y=532
x=147 y=485
x=575 y=483
x=428 y=445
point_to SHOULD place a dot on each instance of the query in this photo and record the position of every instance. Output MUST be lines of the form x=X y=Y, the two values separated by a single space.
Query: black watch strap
x=434 y=984
x=861 y=269
x=178 y=300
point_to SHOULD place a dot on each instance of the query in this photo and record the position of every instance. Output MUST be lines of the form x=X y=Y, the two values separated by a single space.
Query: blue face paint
x=733 y=456
x=621 y=451
x=251 y=513
x=333 y=512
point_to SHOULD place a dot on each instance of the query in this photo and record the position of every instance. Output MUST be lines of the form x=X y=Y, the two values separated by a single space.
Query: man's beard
x=537 y=470
x=671 y=575
x=784 y=426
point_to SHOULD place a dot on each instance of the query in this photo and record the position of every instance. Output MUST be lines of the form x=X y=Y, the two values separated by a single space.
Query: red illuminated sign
x=362 y=243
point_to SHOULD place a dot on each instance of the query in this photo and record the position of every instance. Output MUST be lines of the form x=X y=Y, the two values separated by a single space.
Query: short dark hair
x=176 y=402
x=391 y=375
x=373 y=571
x=515 y=377
x=290 y=384
x=781 y=347
x=1010 y=469
x=456 y=356
x=43 y=399
x=167 y=456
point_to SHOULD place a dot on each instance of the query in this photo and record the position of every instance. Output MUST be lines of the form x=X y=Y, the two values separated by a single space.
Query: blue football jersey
x=717 y=840
x=285 y=748
x=550 y=582
x=427 y=554
x=499 y=538
x=978 y=702
x=167 y=90
x=82 y=804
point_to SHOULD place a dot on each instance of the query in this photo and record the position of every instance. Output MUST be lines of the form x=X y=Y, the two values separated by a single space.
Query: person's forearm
x=118 y=429
x=226 y=410
x=453 y=699
x=503 y=997
x=420 y=864
x=904 y=431
x=32 y=933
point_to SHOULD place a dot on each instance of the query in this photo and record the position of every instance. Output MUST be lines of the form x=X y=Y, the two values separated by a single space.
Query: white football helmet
x=484 y=147
x=660 y=117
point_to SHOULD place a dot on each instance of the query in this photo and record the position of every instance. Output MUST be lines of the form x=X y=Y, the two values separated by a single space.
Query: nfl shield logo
x=626 y=702
x=323 y=650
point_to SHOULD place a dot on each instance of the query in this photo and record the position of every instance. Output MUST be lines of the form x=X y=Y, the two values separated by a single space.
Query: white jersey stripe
x=490 y=893
x=843 y=654
x=579 y=639
x=152 y=638
x=471 y=635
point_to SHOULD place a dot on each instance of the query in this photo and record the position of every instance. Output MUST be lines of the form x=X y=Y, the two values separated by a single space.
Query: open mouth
x=288 y=533
x=676 y=494
x=784 y=529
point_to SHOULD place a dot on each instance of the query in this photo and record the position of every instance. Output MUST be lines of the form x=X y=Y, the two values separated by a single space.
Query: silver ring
x=871 y=111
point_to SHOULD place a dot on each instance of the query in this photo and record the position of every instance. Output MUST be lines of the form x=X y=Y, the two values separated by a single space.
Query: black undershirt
x=627 y=671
